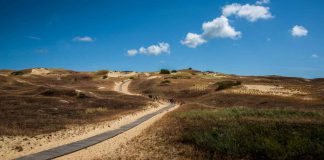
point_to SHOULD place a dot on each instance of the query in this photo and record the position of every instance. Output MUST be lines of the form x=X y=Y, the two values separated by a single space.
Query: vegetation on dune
x=33 y=105
x=251 y=133
x=226 y=84
x=96 y=110
x=165 y=82
x=164 y=71
x=101 y=72
x=20 y=72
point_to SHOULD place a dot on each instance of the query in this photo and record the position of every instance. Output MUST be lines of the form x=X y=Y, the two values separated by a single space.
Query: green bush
x=164 y=71
x=226 y=84
x=131 y=77
x=174 y=71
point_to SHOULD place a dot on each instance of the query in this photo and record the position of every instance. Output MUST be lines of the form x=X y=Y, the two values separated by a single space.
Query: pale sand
x=120 y=74
x=101 y=88
x=124 y=88
x=107 y=148
x=267 y=90
x=40 y=71
x=153 y=77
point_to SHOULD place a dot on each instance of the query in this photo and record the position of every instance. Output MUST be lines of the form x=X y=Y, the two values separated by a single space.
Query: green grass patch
x=255 y=133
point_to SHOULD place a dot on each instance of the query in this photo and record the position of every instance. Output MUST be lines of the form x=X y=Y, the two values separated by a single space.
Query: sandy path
x=123 y=87
x=108 y=146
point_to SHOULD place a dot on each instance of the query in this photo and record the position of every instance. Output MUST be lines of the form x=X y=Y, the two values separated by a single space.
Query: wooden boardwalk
x=78 y=145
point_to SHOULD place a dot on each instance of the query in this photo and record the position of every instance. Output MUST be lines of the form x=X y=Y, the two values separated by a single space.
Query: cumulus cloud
x=299 y=31
x=83 y=39
x=151 y=50
x=193 y=40
x=250 y=12
x=261 y=2
x=132 y=52
x=217 y=28
x=220 y=26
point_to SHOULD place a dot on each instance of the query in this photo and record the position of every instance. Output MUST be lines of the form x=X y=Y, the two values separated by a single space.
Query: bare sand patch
x=154 y=77
x=121 y=74
x=267 y=90
x=101 y=88
x=40 y=71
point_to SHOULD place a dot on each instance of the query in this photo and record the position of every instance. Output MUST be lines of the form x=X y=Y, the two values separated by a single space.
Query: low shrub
x=165 y=82
x=58 y=92
x=20 y=72
x=164 y=71
x=226 y=84
x=101 y=72
x=174 y=71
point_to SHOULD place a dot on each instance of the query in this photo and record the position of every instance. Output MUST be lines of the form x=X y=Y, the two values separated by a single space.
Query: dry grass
x=212 y=126
x=197 y=131
x=96 y=110
x=32 y=105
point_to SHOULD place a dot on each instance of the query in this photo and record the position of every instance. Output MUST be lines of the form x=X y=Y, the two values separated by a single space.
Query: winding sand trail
x=106 y=143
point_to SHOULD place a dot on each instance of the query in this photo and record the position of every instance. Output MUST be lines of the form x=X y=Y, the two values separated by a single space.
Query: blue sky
x=249 y=39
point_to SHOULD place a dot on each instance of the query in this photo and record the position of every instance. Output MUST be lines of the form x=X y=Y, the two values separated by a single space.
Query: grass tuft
x=96 y=110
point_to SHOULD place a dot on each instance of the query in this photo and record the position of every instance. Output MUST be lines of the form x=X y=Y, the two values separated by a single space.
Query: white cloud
x=83 y=39
x=132 y=52
x=156 y=49
x=151 y=50
x=261 y=2
x=247 y=11
x=299 y=31
x=314 y=56
x=217 y=28
x=220 y=28
x=193 y=40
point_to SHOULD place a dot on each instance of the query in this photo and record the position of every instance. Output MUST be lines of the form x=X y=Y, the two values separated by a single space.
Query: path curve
x=85 y=143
